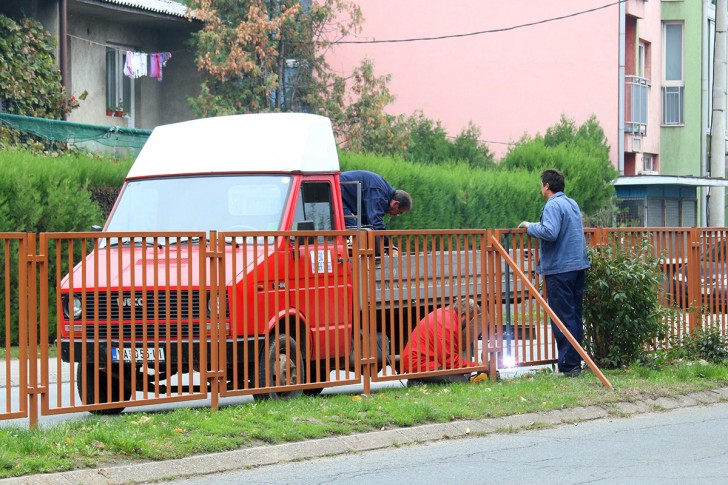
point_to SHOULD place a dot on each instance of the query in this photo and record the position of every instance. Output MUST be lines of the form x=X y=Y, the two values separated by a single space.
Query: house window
x=673 y=82
x=641 y=50
x=647 y=162
x=119 y=88
x=631 y=212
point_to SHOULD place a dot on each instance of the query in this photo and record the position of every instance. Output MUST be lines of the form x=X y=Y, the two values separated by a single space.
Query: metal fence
x=148 y=318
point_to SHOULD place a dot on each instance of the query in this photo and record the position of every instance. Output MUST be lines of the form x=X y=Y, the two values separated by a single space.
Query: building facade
x=95 y=38
x=513 y=68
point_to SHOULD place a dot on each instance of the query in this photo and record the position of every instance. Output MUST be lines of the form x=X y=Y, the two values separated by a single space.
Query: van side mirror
x=305 y=226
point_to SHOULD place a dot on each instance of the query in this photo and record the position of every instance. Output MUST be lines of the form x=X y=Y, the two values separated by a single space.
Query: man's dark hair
x=554 y=178
x=404 y=199
x=466 y=309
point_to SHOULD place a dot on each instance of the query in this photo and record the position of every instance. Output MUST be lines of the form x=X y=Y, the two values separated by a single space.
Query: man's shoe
x=575 y=372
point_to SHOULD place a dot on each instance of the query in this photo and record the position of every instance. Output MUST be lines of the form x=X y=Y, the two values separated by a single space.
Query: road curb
x=269 y=455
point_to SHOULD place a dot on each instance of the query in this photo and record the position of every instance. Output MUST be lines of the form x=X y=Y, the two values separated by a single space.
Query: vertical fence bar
x=32 y=324
x=694 y=290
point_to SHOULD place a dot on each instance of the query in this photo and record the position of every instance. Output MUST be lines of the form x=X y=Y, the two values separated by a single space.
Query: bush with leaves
x=701 y=344
x=622 y=310
x=30 y=83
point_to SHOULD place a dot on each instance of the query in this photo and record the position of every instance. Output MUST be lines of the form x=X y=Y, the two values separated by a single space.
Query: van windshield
x=202 y=203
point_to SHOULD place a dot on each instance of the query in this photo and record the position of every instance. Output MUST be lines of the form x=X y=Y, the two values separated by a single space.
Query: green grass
x=103 y=441
x=15 y=352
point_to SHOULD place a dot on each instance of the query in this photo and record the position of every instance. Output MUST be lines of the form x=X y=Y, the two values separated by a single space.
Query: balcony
x=636 y=93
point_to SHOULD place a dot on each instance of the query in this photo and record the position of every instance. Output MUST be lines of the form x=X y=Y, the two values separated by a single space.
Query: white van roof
x=270 y=142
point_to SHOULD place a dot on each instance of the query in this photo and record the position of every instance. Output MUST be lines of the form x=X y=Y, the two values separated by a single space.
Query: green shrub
x=702 y=344
x=30 y=83
x=622 y=310
x=50 y=194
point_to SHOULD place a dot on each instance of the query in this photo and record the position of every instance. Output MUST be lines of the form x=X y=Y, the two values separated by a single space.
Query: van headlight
x=77 y=308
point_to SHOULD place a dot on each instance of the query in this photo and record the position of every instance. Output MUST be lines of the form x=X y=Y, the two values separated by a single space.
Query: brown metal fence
x=14 y=370
x=106 y=321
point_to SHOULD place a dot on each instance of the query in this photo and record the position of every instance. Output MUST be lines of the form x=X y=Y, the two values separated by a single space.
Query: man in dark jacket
x=563 y=263
x=377 y=198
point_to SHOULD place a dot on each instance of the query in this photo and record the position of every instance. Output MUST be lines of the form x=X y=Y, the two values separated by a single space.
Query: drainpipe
x=63 y=45
x=620 y=107
x=716 y=204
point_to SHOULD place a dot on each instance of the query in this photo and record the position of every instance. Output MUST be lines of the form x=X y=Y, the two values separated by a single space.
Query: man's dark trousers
x=565 y=293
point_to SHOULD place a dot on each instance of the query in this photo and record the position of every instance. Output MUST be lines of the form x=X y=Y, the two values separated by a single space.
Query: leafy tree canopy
x=429 y=144
x=581 y=153
x=30 y=83
x=269 y=55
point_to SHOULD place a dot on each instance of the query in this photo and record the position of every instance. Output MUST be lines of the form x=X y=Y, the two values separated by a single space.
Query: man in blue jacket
x=563 y=261
x=377 y=198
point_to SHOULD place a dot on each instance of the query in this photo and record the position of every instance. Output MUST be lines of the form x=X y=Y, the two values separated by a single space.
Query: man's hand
x=524 y=224
x=479 y=377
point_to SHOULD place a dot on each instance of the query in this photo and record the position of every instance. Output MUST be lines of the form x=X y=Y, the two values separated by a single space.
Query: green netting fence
x=113 y=140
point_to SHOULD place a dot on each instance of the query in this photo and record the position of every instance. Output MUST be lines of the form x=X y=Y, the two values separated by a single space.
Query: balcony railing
x=635 y=100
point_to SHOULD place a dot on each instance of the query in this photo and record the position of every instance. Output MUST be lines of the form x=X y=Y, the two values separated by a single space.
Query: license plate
x=151 y=355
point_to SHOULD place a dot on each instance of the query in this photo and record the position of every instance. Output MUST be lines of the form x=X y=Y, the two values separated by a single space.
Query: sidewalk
x=289 y=452
x=10 y=372
x=67 y=369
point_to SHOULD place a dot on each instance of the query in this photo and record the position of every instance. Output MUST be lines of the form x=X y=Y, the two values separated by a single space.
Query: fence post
x=491 y=335
x=29 y=319
x=216 y=370
x=694 y=283
x=367 y=277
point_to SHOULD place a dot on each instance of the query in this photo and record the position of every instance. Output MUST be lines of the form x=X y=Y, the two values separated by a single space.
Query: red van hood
x=176 y=266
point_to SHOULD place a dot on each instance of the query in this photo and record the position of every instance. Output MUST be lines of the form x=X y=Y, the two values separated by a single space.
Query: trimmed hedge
x=50 y=194
x=455 y=196
x=73 y=192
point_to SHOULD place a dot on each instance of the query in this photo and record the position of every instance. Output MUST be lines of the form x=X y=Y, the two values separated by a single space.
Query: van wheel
x=323 y=376
x=281 y=364
x=87 y=373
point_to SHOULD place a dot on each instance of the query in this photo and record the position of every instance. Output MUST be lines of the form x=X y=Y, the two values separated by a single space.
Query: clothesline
x=116 y=47
x=137 y=64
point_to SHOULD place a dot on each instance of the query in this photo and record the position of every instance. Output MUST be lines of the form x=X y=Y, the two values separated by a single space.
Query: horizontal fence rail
x=100 y=322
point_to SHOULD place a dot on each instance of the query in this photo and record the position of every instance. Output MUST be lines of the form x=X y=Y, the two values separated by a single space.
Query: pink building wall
x=507 y=83
x=648 y=29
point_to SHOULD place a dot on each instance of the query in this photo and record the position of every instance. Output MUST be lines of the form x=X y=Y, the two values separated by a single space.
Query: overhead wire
x=481 y=32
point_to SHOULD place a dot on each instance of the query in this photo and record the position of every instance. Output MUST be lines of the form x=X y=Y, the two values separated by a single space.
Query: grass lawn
x=102 y=441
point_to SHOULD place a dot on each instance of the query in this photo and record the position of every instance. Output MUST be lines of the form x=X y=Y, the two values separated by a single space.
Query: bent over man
x=438 y=342
x=377 y=199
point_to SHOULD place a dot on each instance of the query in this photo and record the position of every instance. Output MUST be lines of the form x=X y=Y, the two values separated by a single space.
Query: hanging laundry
x=154 y=66
x=136 y=64
x=156 y=62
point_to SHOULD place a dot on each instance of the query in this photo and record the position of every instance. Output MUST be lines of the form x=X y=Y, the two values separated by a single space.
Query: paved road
x=684 y=446
x=689 y=446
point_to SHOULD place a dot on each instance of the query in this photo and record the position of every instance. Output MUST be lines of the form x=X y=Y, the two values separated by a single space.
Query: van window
x=314 y=204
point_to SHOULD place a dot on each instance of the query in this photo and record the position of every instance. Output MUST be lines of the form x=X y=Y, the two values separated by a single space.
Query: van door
x=324 y=279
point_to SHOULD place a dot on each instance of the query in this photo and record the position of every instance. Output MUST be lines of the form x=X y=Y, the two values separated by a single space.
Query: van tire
x=281 y=356
x=91 y=384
